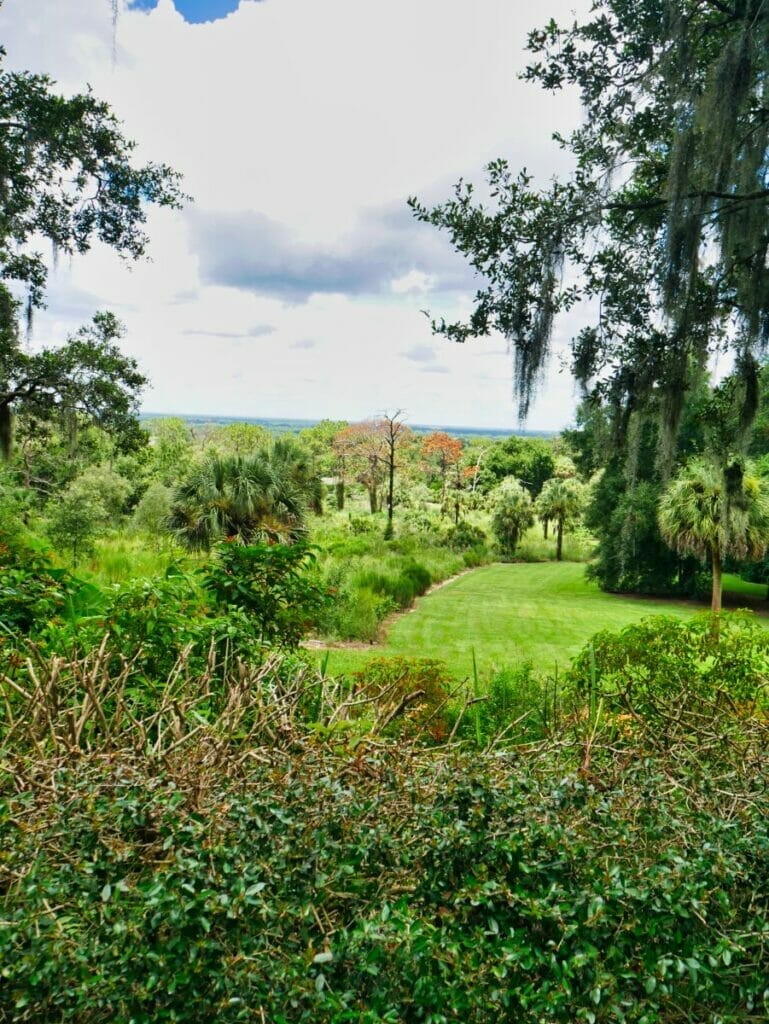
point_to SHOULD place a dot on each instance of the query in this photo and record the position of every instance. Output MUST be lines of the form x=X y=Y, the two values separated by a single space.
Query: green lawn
x=543 y=612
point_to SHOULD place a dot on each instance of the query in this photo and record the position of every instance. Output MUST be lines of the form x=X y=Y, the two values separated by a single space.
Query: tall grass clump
x=578 y=546
x=372 y=577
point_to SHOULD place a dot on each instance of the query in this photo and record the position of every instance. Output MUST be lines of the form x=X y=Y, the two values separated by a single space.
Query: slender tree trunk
x=715 y=603
x=6 y=430
x=559 y=541
x=391 y=491
x=340 y=494
x=372 y=498
x=545 y=524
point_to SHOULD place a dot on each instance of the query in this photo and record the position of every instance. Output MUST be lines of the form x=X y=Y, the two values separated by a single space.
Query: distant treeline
x=278 y=426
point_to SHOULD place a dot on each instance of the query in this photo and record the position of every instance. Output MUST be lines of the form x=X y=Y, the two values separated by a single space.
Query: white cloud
x=414 y=281
x=301 y=128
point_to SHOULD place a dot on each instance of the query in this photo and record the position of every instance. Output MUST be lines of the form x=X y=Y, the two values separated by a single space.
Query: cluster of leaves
x=513 y=515
x=638 y=669
x=387 y=886
x=273 y=585
x=68 y=176
x=465 y=536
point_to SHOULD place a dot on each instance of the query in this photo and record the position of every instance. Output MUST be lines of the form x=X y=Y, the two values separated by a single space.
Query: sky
x=295 y=284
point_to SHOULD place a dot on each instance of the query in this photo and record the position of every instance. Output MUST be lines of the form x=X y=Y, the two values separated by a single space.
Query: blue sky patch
x=194 y=11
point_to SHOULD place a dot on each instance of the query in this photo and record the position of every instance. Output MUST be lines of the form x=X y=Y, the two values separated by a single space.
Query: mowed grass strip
x=543 y=613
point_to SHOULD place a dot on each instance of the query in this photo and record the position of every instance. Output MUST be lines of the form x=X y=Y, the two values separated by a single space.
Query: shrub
x=403 y=587
x=475 y=556
x=400 y=678
x=273 y=584
x=363 y=524
x=515 y=705
x=464 y=536
x=357 y=614
x=643 y=665
x=381 y=887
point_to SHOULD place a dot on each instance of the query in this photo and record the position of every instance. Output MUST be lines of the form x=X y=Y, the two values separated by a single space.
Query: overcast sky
x=293 y=285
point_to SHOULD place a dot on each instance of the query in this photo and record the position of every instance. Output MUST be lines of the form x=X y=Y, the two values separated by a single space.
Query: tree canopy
x=66 y=175
x=86 y=377
x=663 y=223
x=700 y=515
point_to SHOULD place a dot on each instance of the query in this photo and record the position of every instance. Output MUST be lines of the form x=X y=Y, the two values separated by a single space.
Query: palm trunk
x=715 y=603
x=559 y=541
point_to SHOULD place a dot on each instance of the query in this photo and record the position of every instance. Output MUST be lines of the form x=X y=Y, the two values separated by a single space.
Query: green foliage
x=362 y=524
x=152 y=513
x=528 y=459
x=36 y=597
x=561 y=502
x=711 y=512
x=643 y=665
x=250 y=498
x=673 y=252
x=172 y=449
x=86 y=379
x=464 y=536
x=273 y=585
x=513 y=515
x=371 y=577
x=357 y=614
x=622 y=513
x=77 y=519
x=411 y=581
x=386 y=887
x=69 y=178
x=238 y=438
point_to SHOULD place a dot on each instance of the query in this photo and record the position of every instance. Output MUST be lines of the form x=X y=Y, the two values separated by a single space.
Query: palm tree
x=294 y=463
x=560 y=501
x=243 y=497
x=711 y=512
x=512 y=514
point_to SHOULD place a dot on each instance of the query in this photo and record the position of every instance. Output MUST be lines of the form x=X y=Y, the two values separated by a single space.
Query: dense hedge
x=397 y=886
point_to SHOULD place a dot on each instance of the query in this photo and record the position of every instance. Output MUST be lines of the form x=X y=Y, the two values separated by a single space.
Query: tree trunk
x=340 y=494
x=372 y=499
x=559 y=541
x=391 y=492
x=6 y=431
x=715 y=603
x=545 y=524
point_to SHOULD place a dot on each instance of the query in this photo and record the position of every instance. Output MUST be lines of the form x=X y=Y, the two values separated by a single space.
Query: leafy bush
x=514 y=705
x=464 y=536
x=363 y=524
x=643 y=664
x=475 y=557
x=357 y=614
x=420 y=685
x=412 y=580
x=385 y=887
x=34 y=595
x=273 y=584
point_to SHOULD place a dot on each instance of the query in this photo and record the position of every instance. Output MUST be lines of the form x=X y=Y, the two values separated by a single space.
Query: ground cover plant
x=234 y=865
